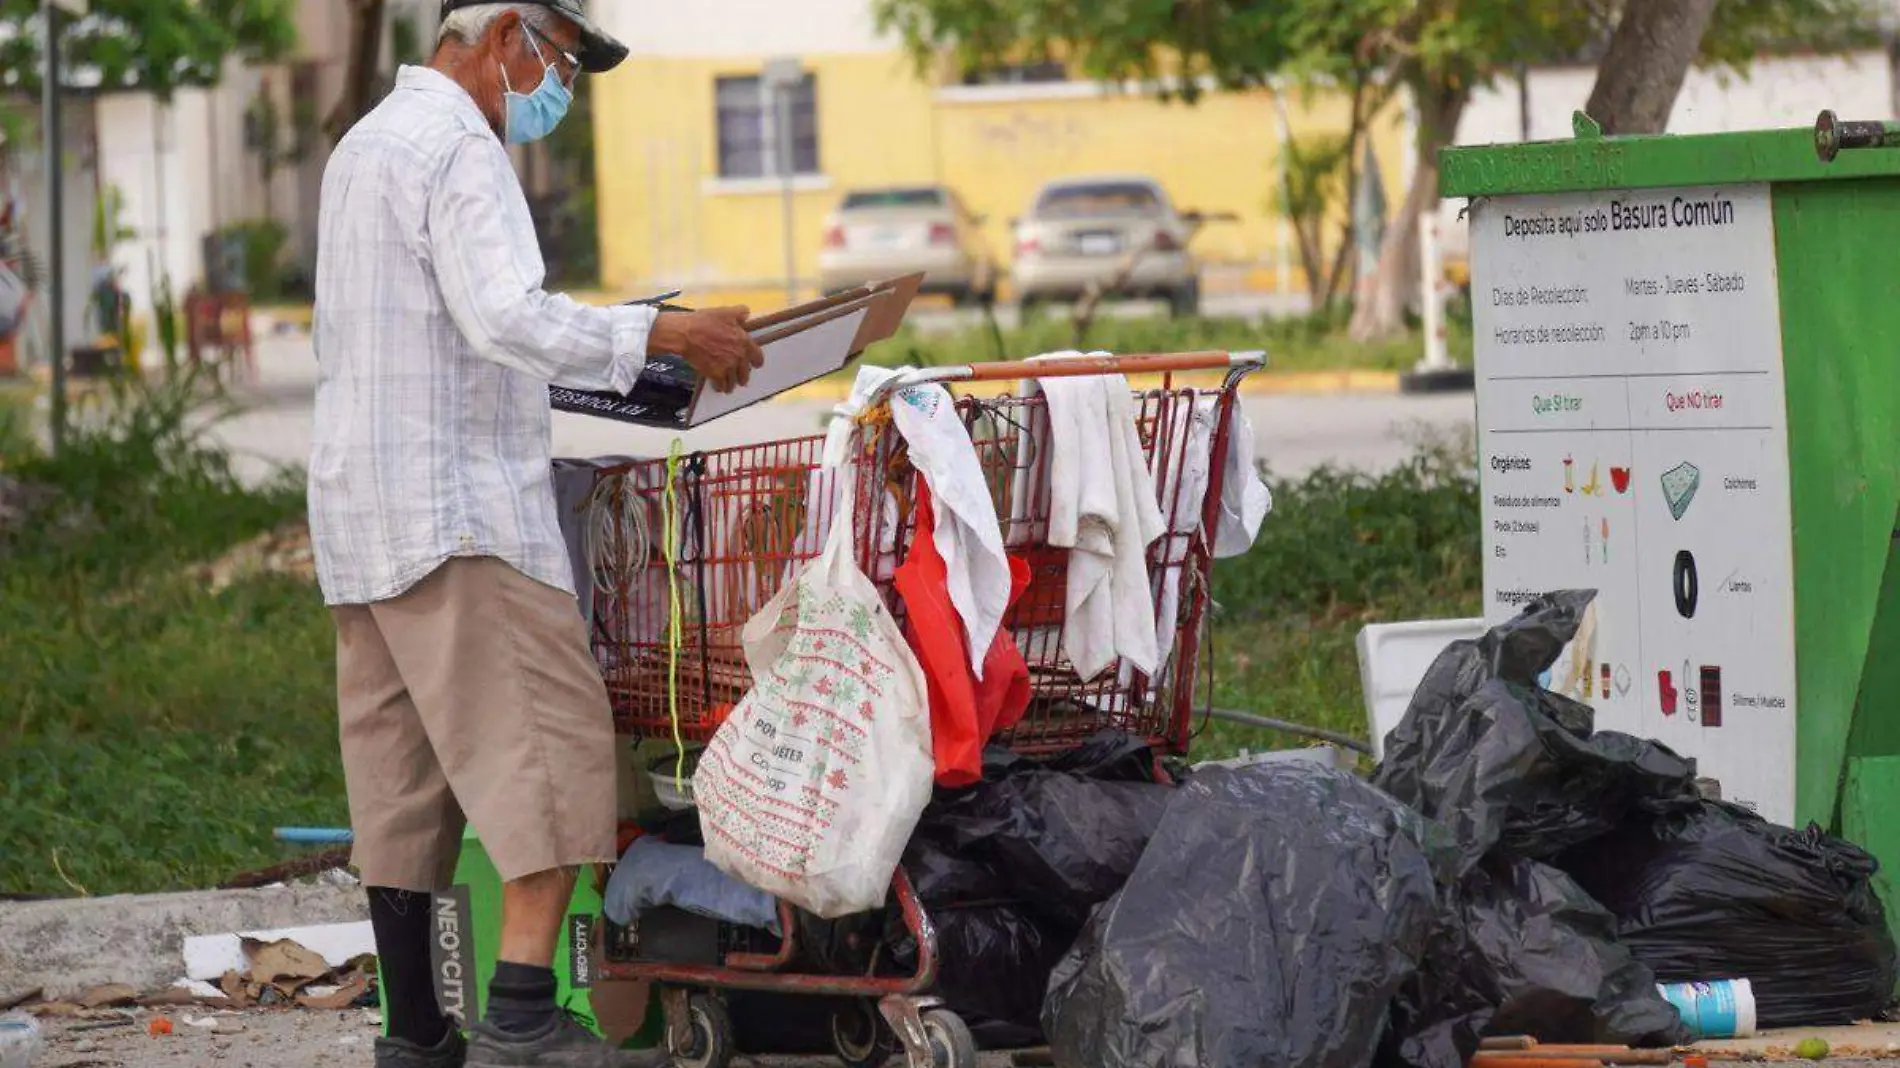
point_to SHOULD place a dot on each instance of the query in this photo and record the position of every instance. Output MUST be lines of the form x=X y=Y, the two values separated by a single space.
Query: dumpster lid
x=1650 y=162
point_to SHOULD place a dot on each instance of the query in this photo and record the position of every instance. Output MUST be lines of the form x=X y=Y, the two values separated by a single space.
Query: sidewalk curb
x=68 y=945
x=1264 y=384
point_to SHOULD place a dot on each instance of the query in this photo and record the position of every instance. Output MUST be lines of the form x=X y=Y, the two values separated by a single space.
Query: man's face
x=515 y=43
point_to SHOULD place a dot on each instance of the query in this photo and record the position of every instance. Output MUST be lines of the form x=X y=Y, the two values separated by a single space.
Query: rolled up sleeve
x=489 y=266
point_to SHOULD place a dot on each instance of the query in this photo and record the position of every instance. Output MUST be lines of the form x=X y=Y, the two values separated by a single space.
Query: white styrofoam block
x=1393 y=657
x=210 y=956
x=198 y=988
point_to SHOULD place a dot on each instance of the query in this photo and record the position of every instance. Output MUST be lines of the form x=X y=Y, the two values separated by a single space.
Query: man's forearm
x=668 y=335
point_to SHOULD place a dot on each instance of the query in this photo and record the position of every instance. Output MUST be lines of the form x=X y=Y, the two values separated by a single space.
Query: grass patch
x=153 y=732
x=1311 y=343
x=1341 y=550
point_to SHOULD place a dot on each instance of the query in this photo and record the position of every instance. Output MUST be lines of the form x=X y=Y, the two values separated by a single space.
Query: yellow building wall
x=666 y=222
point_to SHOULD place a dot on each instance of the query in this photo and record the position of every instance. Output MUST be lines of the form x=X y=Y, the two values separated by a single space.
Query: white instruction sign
x=1632 y=433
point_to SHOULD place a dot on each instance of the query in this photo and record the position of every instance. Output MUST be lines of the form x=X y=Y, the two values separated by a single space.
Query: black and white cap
x=600 y=51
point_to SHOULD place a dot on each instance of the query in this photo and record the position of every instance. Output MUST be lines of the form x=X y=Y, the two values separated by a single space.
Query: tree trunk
x=359 y=80
x=1349 y=233
x=1649 y=56
x=1394 y=288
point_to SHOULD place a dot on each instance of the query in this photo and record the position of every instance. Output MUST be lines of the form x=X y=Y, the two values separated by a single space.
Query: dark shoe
x=564 y=1043
x=451 y=1052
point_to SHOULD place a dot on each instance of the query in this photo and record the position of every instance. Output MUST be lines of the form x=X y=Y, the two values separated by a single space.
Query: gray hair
x=471 y=24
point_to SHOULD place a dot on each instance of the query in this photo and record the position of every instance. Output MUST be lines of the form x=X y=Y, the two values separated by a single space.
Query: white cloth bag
x=811 y=789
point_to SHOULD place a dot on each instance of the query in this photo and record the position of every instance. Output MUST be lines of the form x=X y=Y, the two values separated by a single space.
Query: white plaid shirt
x=435 y=347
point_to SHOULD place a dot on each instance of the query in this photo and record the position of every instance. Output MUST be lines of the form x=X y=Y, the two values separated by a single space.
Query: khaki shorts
x=474 y=692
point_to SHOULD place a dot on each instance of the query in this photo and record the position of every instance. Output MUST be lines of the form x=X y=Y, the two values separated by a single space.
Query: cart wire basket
x=685 y=550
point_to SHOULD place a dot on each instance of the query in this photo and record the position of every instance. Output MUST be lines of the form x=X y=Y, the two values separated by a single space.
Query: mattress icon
x=1679 y=484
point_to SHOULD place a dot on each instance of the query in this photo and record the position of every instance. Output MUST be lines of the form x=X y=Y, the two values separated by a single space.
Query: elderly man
x=464 y=680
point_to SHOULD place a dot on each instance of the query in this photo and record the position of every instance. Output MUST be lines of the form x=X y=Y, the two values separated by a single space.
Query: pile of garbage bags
x=1508 y=869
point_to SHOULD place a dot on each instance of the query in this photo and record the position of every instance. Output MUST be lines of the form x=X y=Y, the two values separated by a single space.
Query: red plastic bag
x=964 y=713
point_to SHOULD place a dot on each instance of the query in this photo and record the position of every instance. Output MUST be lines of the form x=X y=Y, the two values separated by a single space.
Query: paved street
x=1295 y=433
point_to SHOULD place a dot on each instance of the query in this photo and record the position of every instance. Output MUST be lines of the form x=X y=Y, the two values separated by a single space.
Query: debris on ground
x=269 y=972
x=283 y=551
x=287 y=972
x=328 y=866
x=107 y=996
x=321 y=947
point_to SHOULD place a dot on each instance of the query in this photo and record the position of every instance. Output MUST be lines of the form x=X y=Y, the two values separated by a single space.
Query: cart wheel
x=713 y=1045
x=951 y=1044
x=859 y=1036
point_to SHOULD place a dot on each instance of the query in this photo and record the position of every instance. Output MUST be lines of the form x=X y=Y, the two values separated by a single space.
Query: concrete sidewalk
x=65 y=946
x=1296 y=431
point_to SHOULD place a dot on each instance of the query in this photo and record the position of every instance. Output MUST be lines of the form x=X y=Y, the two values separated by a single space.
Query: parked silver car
x=1120 y=232
x=884 y=233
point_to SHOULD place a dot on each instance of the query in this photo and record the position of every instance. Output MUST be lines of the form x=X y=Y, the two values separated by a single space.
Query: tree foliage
x=1175 y=46
x=1440 y=51
x=155 y=46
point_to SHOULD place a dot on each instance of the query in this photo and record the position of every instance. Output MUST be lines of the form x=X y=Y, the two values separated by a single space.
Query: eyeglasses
x=573 y=62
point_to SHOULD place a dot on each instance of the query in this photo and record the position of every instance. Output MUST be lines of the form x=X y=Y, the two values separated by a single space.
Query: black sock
x=521 y=998
x=401 y=919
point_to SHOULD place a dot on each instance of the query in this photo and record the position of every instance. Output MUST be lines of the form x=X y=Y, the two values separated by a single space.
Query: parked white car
x=1085 y=231
x=883 y=233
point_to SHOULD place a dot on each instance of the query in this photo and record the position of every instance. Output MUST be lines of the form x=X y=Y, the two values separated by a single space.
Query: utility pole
x=52 y=144
x=781 y=78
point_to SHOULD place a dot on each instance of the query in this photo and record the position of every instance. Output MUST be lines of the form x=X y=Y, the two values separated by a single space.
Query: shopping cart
x=687 y=549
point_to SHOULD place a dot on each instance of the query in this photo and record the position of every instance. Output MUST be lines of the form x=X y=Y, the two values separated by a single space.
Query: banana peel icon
x=1594 y=487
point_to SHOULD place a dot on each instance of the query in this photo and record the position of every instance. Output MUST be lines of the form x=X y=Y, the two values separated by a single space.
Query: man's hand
x=713 y=342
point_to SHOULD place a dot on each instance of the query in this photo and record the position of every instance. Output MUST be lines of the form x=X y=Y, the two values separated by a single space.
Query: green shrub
x=1343 y=540
x=1306 y=343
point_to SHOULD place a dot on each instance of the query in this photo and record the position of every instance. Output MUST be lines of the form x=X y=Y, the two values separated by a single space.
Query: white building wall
x=157 y=157
x=1778 y=92
x=702 y=28
x=78 y=185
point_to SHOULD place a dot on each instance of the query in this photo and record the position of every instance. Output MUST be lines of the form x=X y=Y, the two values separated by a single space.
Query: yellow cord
x=676 y=626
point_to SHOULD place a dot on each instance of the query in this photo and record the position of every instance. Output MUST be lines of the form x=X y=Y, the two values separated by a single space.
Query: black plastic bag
x=1108 y=756
x=1277 y=910
x=1707 y=890
x=944 y=875
x=1523 y=950
x=993 y=964
x=1502 y=762
x=1010 y=869
x=1516 y=774
x=1060 y=836
x=1064 y=843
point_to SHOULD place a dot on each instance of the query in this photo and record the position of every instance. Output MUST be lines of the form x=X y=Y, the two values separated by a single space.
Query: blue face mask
x=532 y=116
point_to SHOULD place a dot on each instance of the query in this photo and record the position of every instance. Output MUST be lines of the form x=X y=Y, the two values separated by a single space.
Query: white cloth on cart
x=1102 y=508
x=1245 y=499
x=968 y=536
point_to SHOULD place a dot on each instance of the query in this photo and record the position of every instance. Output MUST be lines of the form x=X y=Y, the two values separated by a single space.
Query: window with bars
x=748 y=127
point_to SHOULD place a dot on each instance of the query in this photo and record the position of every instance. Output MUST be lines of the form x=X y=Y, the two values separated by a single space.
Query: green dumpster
x=466 y=939
x=1687 y=370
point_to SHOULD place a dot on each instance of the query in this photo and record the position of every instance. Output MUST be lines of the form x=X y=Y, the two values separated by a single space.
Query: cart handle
x=1238 y=365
